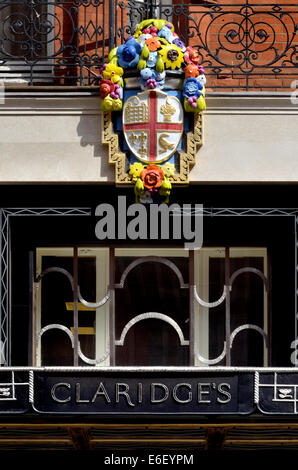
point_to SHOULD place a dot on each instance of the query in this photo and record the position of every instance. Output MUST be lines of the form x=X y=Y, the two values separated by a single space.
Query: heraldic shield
x=152 y=94
x=152 y=125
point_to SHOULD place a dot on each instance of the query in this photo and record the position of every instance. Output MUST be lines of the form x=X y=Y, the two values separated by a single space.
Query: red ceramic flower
x=152 y=176
x=191 y=71
x=191 y=56
x=106 y=87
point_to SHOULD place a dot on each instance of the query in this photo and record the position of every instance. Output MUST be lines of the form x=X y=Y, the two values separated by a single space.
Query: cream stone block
x=252 y=148
x=52 y=144
x=55 y=138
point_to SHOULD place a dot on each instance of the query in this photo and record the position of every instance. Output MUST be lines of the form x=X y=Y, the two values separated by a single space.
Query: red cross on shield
x=152 y=125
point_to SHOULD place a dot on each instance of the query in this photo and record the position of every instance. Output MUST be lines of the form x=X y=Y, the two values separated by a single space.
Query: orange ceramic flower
x=152 y=176
x=191 y=71
x=153 y=44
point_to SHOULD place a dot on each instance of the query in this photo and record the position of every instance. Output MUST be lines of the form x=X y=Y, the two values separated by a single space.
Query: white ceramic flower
x=202 y=79
x=142 y=38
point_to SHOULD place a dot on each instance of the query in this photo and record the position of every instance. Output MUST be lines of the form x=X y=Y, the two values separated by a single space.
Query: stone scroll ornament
x=152 y=94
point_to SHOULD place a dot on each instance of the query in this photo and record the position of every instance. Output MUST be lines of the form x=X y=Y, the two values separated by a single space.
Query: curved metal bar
x=93 y=361
x=213 y=361
x=233 y=335
x=210 y=304
x=249 y=270
x=155 y=259
x=101 y=302
x=147 y=316
x=54 y=326
x=247 y=327
x=70 y=278
x=55 y=269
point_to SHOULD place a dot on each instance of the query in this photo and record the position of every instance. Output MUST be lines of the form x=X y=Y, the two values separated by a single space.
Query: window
x=248 y=305
x=152 y=316
x=263 y=240
x=56 y=306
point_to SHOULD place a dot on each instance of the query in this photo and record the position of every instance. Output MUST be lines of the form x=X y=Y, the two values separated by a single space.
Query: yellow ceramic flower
x=172 y=56
x=113 y=73
x=165 y=190
x=168 y=169
x=135 y=170
x=109 y=104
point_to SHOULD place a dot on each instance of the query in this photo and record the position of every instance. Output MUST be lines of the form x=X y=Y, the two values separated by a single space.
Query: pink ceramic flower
x=151 y=83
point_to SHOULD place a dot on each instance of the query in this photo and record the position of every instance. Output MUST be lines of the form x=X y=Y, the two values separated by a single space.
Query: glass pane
x=152 y=287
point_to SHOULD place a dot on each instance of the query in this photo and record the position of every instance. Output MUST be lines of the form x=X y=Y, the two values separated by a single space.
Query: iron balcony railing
x=242 y=45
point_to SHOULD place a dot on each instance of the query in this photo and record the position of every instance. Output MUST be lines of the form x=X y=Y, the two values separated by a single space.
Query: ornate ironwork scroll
x=246 y=42
x=67 y=42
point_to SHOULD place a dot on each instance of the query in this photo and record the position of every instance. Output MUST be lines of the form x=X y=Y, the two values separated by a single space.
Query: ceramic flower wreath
x=154 y=49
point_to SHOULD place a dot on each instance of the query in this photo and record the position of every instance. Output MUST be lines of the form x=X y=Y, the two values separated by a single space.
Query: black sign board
x=277 y=393
x=14 y=391
x=126 y=392
x=102 y=392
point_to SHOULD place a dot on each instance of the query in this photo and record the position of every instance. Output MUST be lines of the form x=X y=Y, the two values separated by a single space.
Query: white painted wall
x=46 y=139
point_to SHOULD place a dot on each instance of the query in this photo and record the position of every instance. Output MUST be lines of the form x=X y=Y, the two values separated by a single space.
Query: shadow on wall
x=89 y=130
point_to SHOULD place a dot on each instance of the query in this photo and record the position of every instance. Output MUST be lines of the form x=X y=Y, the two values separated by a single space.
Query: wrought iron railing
x=242 y=45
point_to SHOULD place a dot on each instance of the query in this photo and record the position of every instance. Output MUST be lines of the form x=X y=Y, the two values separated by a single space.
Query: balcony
x=243 y=46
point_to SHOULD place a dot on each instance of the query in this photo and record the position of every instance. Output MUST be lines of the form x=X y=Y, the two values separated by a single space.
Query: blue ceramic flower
x=179 y=43
x=147 y=74
x=152 y=59
x=150 y=74
x=165 y=32
x=191 y=87
x=129 y=53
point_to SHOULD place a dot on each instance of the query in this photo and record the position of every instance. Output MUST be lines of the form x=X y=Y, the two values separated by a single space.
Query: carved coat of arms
x=153 y=95
x=152 y=125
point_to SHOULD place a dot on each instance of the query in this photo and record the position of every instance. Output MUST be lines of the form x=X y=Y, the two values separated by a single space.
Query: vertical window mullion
x=228 y=307
x=75 y=307
x=191 y=309
x=112 y=306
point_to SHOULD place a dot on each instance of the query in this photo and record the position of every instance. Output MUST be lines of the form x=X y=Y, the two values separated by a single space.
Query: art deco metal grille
x=208 y=212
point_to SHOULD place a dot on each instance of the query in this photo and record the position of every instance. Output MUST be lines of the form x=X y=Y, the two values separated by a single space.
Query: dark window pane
x=152 y=287
x=247 y=307
x=57 y=307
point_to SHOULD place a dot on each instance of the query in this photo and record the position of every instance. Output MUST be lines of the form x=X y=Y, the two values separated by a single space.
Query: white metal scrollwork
x=210 y=304
x=58 y=326
x=147 y=316
x=98 y=304
x=233 y=335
